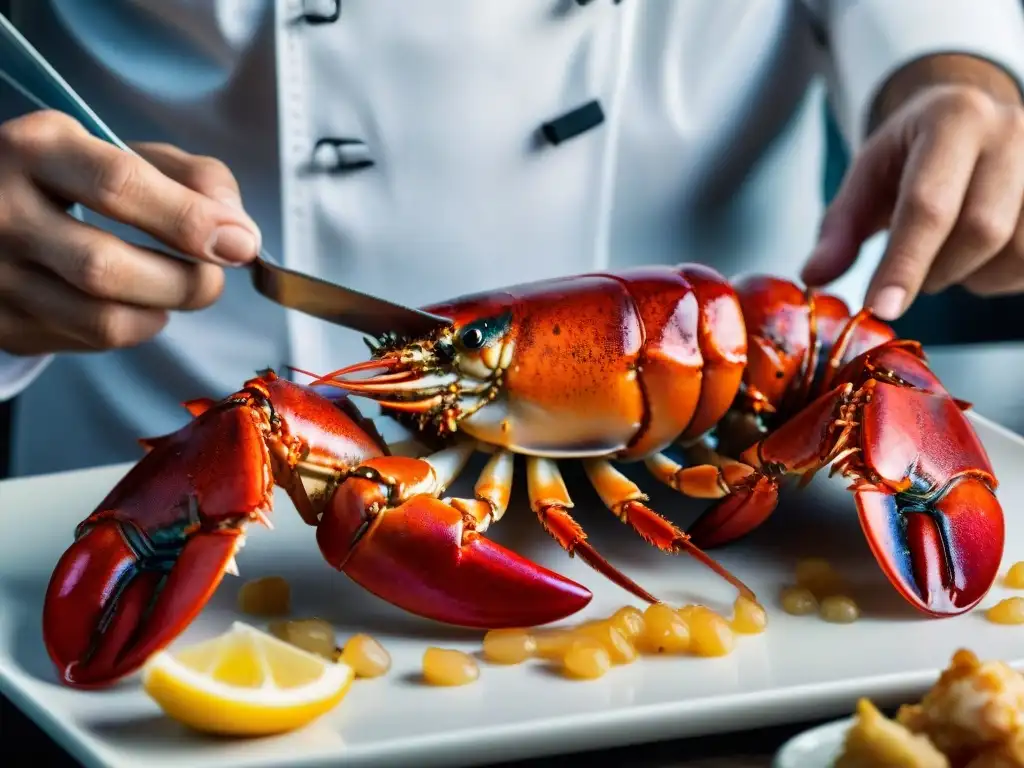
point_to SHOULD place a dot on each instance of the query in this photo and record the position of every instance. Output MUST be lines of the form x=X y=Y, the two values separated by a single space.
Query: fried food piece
x=1008 y=755
x=973 y=706
x=875 y=740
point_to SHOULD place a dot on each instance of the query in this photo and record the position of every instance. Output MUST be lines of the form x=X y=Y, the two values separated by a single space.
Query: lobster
x=751 y=380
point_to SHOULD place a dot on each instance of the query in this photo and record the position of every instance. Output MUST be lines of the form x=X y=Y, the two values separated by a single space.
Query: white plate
x=801 y=669
x=815 y=748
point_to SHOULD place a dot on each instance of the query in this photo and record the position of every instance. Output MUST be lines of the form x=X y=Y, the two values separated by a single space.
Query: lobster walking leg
x=748 y=495
x=551 y=502
x=492 y=492
x=626 y=501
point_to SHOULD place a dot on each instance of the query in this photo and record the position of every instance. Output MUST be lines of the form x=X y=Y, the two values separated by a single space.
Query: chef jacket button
x=333 y=155
x=572 y=124
x=321 y=11
x=584 y=2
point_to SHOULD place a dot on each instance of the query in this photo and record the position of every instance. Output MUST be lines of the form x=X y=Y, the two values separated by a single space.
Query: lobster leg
x=492 y=492
x=811 y=439
x=626 y=502
x=748 y=490
x=551 y=502
x=748 y=496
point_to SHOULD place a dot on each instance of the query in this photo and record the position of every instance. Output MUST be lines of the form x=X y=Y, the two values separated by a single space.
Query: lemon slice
x=245 y=683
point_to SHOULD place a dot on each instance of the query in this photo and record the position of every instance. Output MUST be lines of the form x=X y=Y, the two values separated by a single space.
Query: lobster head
x=443 y=381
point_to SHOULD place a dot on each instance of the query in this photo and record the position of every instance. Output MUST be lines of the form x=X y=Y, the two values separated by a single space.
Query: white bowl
x=815 y=748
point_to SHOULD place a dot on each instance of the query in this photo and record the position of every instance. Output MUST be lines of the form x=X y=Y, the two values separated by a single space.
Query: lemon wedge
x=245 y=683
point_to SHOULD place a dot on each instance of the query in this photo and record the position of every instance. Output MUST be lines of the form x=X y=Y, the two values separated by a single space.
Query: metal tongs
x=30 y=74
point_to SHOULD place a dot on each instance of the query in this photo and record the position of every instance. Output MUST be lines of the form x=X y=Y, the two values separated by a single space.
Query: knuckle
x=116 y=180
x=986 y=228
x=95 y=272
x=12 y=333
x=114 y=327
x=36 y=131
x=10 y=277
x=973 y=103
x=1016 y=124
x=208 y=174
x=192 y=225
x=19 y=219
x=205 y=286
x=929 y=207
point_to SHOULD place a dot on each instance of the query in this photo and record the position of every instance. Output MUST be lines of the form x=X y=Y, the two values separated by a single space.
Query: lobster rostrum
x=750 y=381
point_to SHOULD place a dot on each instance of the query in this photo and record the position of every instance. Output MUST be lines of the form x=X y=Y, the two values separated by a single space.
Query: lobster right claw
x=943 y=559
x=939 y=540
x=422 y=555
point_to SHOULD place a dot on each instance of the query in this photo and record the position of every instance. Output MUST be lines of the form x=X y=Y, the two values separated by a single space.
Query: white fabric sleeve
x=16 y=372
x=869 y=40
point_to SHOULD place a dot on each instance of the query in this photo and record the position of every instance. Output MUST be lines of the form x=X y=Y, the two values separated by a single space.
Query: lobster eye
x=472 y=338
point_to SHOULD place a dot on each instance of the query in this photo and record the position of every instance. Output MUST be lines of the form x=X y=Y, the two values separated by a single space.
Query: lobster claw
x=943 y=559
x=144 y=564
x=933 y=522
x=423 y=555
x=107 y=610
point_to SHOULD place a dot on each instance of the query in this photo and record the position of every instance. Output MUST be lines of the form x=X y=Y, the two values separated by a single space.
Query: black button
x=341 y=155
x=323 y=11
x=584 y=2
x=572 y=124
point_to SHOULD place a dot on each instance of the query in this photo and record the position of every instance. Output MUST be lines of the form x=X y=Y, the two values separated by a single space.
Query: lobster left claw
x=146 y=562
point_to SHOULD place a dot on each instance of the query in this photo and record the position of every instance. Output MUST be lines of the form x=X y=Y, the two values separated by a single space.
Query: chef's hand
x=944 y=172
x=69 y=286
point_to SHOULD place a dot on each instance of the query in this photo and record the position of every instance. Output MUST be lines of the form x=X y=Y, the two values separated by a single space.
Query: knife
x=25 y=70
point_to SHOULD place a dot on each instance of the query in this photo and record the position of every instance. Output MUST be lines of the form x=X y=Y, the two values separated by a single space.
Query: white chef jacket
x=421 y=149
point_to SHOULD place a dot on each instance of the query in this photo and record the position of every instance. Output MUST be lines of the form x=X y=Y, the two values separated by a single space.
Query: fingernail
x=232 y=244
x=888 y=303
x=231 y=199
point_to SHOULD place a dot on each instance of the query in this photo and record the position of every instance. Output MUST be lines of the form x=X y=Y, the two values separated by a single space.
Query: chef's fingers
x=61 y=309
x=23 y=335
x=989 y=216
x=935 y=178
x=64 y=160
x=860 y=209
x=1004 y=274
x=206 y=175
x=104 y=266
